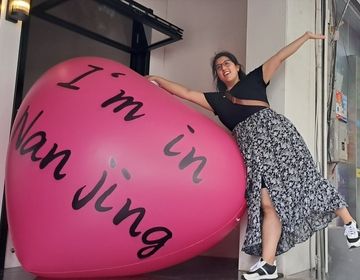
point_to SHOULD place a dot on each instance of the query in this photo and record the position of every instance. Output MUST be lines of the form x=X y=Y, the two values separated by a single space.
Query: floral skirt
x=277 y=156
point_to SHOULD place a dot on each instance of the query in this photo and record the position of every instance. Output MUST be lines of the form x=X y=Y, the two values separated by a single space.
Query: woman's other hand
x=153 y=79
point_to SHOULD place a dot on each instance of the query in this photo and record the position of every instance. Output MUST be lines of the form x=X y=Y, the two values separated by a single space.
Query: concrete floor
x=199 y=268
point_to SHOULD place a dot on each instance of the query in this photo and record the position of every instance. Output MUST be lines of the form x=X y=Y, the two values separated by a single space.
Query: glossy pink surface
x=108 y=174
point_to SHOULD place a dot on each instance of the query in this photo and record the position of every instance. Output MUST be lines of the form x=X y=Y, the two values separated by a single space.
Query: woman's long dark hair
x=219 y=84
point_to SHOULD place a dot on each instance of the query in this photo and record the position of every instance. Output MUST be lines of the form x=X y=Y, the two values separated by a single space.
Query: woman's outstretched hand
x=152 y=79
x=311 y=35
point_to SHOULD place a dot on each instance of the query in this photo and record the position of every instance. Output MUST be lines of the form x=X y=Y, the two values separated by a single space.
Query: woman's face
x=227 y=71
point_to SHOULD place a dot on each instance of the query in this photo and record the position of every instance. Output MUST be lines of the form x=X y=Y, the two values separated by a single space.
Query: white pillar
x=9 y=49
x=270 y=26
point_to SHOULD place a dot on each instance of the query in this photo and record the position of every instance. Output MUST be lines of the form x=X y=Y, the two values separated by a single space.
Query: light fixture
x=17 y=10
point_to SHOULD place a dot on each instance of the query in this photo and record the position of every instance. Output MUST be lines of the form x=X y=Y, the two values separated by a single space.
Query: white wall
x=9 y=48
x=300 y=71
x=209 y=26
x=10 y=36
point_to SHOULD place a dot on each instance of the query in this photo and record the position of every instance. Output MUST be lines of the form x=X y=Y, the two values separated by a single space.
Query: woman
x=287 y=198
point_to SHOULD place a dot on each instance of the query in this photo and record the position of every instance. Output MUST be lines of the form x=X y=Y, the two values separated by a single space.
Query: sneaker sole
x=260 y=277
x=353 y=245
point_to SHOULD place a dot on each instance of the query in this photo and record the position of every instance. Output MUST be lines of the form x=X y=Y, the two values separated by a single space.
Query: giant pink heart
x=107 y=175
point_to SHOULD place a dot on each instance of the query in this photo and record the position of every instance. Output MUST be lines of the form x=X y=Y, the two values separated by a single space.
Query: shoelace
x=351 y=230
x=259 y=264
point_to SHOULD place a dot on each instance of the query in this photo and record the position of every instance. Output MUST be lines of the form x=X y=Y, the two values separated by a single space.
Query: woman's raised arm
x=272 y=64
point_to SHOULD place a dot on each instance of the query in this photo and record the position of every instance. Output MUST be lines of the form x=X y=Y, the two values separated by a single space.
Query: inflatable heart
x=109 y=175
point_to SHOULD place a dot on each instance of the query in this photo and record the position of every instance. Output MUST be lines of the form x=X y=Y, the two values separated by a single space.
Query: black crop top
x=250 y=87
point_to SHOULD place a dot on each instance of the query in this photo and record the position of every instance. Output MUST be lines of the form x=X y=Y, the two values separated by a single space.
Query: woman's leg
x=344 y=214
x=271 y=228
x=271 y=231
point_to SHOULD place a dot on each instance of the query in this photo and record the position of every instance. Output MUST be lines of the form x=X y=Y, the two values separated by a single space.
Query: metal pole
x=321 y=52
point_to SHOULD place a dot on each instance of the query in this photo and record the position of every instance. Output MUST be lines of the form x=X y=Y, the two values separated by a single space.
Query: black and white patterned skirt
x=277 y=156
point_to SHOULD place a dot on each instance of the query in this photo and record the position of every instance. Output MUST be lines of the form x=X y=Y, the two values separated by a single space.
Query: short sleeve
x=213 y=99
x=257 y=74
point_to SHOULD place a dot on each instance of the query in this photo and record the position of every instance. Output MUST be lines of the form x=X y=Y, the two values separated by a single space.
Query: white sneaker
x=352 y=234
x=261 y=270
x=258 y=264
